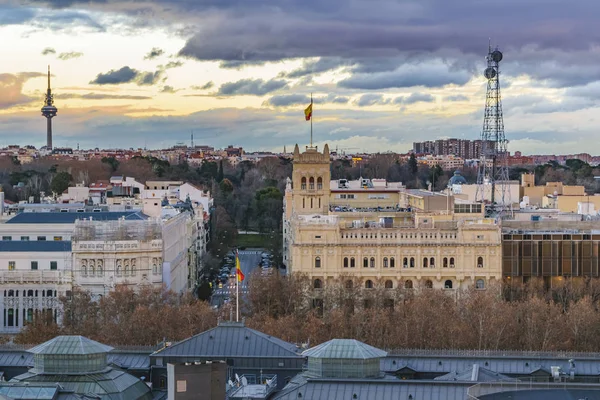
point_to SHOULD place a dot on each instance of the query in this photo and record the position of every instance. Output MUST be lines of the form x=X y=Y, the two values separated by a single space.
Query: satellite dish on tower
x=496 y=56
x=490 y=73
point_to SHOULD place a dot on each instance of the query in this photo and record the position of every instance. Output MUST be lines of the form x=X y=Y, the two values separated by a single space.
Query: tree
x=60 y=182
x=220 y=173
x=112 y=162
x=413 y=167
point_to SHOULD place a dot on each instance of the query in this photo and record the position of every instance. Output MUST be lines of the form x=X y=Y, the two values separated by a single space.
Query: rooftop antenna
x=192 y=138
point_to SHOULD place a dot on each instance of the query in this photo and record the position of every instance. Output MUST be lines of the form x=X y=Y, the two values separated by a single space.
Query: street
x=249 y=260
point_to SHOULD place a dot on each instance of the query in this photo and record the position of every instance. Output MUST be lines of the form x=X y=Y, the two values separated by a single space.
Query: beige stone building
x=382 y=233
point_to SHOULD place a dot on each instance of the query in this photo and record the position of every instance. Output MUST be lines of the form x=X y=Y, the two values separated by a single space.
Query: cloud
x=415 y=98
x=15 y=15
x=60 y=20
x=48 y=50
x=11 y=89
x=458 y=97
x=70 y=55
x=206 y=86
x=255 y=87
x=240 y=64
x=127 y=75
x=168 y=89
x=154 y=53
x=173 y=64
x=372 y=99
x=286 y=100
x=316 y=67
x=100 y=96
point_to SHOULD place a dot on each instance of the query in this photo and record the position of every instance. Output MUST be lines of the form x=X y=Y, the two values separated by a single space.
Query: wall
x=197 y=382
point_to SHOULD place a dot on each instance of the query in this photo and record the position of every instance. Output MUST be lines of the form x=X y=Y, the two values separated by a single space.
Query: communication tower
x=49 y=111
x=492 y=177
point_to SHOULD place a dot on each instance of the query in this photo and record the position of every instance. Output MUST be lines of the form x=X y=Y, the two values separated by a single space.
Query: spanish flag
x=308 y=111
x=238 y=268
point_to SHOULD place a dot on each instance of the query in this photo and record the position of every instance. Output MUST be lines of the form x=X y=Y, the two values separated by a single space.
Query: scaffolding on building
x=90 y=230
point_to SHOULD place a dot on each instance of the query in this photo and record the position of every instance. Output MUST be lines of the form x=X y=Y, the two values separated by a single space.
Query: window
x=479 y=284
x=412 y=262
x=432 y=262
x=350 y=196
x=389 y=284
x=405 y=262
x=154 y=269
x=119 y=270
x=385 y=262
x=100 y=271
x=25 y=238
x=41 y=238
x=303 y=183
x=6 y=237
x=445 y=262
x=479 y=262
x=12 y=265
x=311 y=183
x=429 y=284
x=34 y=265
x=92 y=270
x=369 y=284
x=408 y=284
x=345 y=262
x=83 y=270
x=317 y=284
x=448 y=284
x=57 y=238
x=365 y=262
x=53 y=265
x=372 y=262
x=319 y=183
x=392 y=262
x=126 y=269
x=425 y=262
x=352 y=262
x=451 y=262
x=317 y=262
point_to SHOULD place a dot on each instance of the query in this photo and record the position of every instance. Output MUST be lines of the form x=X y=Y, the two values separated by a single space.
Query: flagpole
x=312 y=114
x=237 y=289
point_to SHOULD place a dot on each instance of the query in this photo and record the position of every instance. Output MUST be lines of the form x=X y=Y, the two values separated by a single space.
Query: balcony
x=24 y=277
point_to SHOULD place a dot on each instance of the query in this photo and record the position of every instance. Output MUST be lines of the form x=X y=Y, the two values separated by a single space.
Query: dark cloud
x=173 y=64
x=255 y=87
x=240 y=64
x=48 y=50
x=372 y=99
x=11 y=89
x=154 y=53
x=127 y=75
x=458 y=97
x=15 y=15
x=66 y=19
x=286 y=100
x=414 y=98
x=206 y=86
x=69 y=56
x=99 y=96
x=317 y=67
x=168 y=89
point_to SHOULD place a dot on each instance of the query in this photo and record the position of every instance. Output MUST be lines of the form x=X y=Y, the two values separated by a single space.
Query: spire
x=49 y=78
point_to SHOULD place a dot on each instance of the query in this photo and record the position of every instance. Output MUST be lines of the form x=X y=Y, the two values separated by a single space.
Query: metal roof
x=34 y=245
x=346 y=349
x=124 y=360
x=70 y=217
x=231 y=339
x=18 y=391
x=475 y=374
x=70 y=345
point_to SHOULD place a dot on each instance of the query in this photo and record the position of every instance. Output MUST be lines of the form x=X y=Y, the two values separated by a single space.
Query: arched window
x=445 y=262
x=408 y=284
x=126 y=270
x=428 y=284
x=311 y=183
x=319 y=183
x=389 y=284
x=133 y=270
x=92 y=270
x=345 y=262
x=405 y=262
x=479 y=284
x=317 y=262
x=83 y=270
x=372 y=262
x=30 y=293
x=451 y=262
x=369 y=284
x=317 y=284
x=479 y=262
x=349 y=284
x=392 y=262
x=448 y=284
x=100 y=271
x=352 y=262
x=425 y=262
x=154 y=269
x=119 y=270
x=365 y=262
x=412 y=262
x=385 y=262
x=303 y=183
x=432 y=262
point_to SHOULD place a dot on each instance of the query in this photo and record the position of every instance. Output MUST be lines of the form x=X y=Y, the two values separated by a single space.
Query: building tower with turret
x=49 y=111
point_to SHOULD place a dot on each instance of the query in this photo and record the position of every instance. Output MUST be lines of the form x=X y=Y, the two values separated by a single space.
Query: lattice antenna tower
x=492 y=177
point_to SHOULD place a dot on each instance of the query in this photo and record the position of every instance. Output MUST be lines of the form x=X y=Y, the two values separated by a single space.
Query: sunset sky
x=383 y=73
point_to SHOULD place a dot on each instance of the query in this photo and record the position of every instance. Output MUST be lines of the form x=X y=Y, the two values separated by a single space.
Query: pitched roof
x=475 y=374
x=71 y=217
x=346 y=349
x=34 y=245
x=230 y=339
x=70 y=345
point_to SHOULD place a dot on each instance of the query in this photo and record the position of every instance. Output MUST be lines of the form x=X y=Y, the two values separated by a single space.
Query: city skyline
x=145 y=74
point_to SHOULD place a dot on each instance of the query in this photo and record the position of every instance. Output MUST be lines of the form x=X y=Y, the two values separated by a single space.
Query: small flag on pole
x=238 y=268
x=308 y=111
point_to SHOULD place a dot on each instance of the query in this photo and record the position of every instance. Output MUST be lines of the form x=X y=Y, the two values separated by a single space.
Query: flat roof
x=71 y=217
x=34 y=245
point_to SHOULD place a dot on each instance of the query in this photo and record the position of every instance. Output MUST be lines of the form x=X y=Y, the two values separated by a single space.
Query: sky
x=382 y=73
